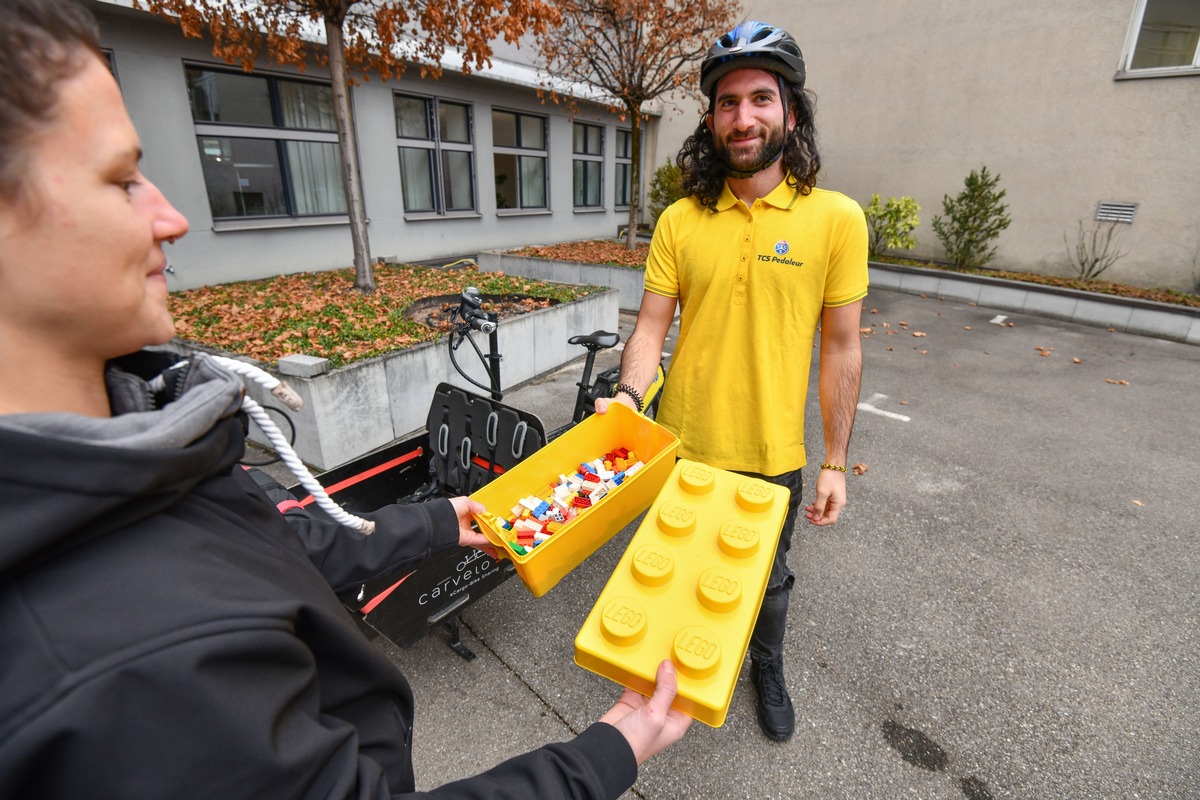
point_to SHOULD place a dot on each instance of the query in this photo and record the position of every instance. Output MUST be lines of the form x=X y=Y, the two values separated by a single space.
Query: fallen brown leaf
x=1139 y=503
x=918 y=334
x=1076 y=361
x=1117 y=381
x=859 y=469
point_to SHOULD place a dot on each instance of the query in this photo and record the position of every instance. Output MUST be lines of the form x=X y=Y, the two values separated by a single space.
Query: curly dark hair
x=42 y=42
x=704 y=172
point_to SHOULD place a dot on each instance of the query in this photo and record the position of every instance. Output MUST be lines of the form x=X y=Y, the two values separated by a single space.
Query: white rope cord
x=281 y=444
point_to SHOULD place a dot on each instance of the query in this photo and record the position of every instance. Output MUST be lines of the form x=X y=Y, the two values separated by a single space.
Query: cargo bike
x=470 y=439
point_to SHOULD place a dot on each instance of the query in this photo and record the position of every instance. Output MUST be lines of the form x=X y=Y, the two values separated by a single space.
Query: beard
x=751 y=160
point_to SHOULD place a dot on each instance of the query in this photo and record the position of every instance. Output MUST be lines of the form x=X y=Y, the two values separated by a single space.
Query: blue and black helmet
x=755 y=45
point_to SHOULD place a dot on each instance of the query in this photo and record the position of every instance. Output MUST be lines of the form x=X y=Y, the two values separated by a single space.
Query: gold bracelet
x=833 y=467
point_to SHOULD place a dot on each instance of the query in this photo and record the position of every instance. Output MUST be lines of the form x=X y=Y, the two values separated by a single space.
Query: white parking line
x=867 y=406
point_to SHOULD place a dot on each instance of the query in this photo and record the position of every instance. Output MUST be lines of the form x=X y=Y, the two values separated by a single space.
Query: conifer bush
x=972 y=221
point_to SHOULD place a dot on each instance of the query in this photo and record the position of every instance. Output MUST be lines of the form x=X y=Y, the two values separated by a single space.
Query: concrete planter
x=628 y=281
x=361 y=407
x=1130 y=315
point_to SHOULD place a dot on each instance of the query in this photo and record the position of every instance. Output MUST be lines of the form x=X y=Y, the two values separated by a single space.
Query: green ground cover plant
x=320 y=314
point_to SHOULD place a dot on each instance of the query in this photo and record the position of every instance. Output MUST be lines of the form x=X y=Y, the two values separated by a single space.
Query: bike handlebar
x=470 y=307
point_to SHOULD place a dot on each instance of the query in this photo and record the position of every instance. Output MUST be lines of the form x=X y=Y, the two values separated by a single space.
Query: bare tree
x=1095 y=250
x=634 y=51
x=368 y=37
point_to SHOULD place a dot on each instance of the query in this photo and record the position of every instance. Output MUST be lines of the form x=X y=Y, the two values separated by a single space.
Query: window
x=268 y=146
x=519 y=146
x=624 y=177
x=1164 y=38
x=436 y=154
x=588 y=146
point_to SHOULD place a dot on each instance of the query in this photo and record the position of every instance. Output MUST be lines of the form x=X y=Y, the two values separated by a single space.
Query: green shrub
x=973 y=220
x=891 y=224
x=665 y=188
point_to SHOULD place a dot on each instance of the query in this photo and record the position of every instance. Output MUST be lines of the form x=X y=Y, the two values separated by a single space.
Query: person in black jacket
x=164 y=632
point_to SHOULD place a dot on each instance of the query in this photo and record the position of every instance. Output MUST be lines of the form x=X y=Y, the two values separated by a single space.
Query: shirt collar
x=782 y=196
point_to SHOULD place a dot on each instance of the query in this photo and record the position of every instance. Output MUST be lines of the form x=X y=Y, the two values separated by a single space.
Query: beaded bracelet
x=629 y=390
x=833 y=467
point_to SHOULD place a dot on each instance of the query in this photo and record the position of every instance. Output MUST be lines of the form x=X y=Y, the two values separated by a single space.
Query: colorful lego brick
x=688 y=588
x=584 y=525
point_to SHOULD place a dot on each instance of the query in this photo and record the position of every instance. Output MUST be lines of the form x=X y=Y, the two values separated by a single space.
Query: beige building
x=1074 y=104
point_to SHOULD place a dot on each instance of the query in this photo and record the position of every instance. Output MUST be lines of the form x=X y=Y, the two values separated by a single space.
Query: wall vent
x=1113 y=211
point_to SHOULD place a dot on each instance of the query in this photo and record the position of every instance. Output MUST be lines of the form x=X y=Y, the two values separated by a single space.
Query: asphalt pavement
x=1008 y=607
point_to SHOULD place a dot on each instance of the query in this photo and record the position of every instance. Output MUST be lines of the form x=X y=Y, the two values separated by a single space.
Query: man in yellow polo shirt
x=756 y=258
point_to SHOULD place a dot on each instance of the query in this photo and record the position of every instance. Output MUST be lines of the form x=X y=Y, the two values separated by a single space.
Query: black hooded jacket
x=164 y=632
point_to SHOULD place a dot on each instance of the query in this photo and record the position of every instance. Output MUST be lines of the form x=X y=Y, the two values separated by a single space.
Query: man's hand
x=468 y=537
x=649 y=724
x=830 y=500
x=602 y=403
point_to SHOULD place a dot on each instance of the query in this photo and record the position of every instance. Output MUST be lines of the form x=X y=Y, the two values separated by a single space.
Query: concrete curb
x=1143 y=317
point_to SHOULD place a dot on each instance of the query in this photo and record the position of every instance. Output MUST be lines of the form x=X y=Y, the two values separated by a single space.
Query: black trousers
x=766 y=643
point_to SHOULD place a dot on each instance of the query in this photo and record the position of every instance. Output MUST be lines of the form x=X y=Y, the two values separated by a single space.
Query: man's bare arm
x=643 y=350
x=838 y=385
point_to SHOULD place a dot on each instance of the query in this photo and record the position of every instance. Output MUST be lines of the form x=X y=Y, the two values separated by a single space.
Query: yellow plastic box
x=688 y=588
x=545 y=565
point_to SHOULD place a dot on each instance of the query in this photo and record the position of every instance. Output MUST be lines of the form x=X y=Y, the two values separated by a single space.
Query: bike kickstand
x=452 y=627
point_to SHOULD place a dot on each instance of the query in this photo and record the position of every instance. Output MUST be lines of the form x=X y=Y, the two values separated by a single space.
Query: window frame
x=438 y=146
x=583 y=158
x=1127 y=71
x=280 y=135
x=518 y=152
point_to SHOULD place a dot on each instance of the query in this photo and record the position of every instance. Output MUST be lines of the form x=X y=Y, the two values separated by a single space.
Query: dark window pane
x=624 y=173
x=533 y=182
x=412 y=117
x=316 y=175
x=504 y=129
x=226 y=97
x=533 y=133
x=507 y=181
x=454 y=121
x=587 y=183
x=243 y=177
x=457 y=182
x=306 y=105
x=1169 y=34
x=624 y=144
x=416 y=166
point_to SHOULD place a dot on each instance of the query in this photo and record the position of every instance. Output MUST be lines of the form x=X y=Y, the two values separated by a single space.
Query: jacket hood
x=67 y=478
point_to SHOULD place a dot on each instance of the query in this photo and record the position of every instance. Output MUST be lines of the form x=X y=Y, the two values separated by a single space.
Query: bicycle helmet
x=756 y=45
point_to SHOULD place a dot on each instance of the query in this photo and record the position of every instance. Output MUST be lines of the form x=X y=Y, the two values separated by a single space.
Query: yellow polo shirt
x=751 y=283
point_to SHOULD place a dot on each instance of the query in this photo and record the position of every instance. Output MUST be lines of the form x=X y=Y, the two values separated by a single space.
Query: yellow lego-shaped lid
x=688 y=588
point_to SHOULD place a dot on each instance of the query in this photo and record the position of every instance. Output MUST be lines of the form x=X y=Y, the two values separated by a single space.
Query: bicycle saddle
x=597 y=340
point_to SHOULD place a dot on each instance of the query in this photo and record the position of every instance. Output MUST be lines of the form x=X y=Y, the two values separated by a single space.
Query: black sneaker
x=776 y=716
